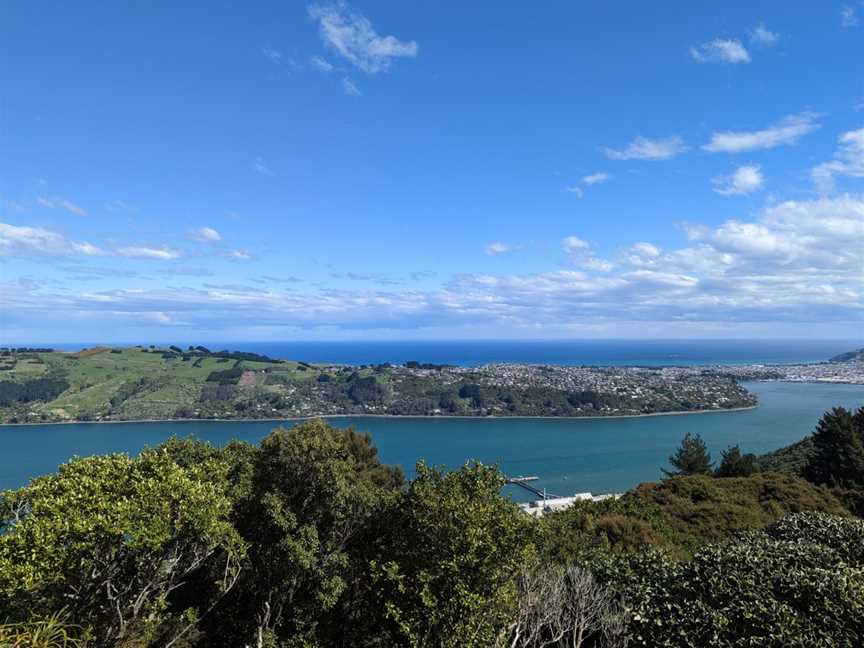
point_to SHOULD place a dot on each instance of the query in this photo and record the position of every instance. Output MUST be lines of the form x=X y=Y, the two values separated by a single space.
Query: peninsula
x=160 y=383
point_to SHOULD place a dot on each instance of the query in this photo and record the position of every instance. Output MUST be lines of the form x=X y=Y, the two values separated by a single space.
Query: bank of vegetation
x=309 y=540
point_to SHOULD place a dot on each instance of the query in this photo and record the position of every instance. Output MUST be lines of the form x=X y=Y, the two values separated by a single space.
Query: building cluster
x=834 y=372
x=681 y=384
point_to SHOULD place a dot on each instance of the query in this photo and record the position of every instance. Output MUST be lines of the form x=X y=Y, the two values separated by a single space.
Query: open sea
x=562 y=352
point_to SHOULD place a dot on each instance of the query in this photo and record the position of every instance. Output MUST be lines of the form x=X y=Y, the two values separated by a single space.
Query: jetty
x=549 y=502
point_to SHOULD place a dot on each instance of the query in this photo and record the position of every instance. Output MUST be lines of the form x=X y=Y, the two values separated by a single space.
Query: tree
x=838 y=453
x=112 y=540
x=450 y=550
x=691 y=458
x=564 y=606
x=734 y=464
x=311 y=492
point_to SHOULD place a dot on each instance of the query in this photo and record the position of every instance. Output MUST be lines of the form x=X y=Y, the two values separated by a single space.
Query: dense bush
x=226 y=376
x=753 y=591
x=37 y=389
x=702 y=509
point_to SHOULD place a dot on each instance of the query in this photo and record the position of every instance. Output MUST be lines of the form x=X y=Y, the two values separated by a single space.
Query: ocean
x=563 y=352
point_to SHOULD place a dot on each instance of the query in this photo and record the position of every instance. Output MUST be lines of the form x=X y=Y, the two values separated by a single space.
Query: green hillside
x=139 y=383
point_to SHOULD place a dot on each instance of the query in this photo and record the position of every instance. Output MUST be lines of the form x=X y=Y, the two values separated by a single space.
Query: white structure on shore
x=550 y=504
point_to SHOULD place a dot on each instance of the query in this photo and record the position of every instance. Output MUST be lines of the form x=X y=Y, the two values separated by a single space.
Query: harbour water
x=569 y=456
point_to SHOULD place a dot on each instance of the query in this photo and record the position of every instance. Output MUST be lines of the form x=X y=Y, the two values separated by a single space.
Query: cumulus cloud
x=761 y=35
x=643 y=148
x=351 y=35
x=794 y=263
x=22 y=240
x=239 y=255
x=206 y=235
x=497 y=247
x=596 y=178
x=848 y=161
x=785 y=132
x=579 y=253
x=17 y=240
x=721 y=50
x=745 y=180
x=573 y=244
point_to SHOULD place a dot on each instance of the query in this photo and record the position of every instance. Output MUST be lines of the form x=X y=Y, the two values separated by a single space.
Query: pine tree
x=735 y=464
x=838 y=457
x=691 y=458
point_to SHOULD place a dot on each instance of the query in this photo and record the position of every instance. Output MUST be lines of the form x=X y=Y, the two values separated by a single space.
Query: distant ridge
x=850 y=356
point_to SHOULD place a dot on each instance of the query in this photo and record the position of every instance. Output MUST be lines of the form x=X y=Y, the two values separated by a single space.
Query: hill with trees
x=157 y=383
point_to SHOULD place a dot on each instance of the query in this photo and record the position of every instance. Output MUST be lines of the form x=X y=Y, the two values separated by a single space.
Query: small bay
x=568 y=455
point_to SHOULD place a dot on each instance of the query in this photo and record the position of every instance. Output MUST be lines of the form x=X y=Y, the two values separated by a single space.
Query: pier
x=524 y=483
x=549 y=502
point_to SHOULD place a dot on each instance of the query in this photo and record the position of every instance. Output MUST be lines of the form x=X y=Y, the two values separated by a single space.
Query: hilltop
x=856 y=355
x=153 y=383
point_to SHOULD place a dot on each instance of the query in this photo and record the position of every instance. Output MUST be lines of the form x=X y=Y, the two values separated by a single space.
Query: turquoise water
x=569 y=456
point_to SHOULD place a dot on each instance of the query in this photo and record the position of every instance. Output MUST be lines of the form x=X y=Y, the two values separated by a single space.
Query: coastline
x=391 y=416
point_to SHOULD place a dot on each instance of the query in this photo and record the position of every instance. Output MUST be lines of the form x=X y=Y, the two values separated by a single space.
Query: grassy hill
x=141 y=383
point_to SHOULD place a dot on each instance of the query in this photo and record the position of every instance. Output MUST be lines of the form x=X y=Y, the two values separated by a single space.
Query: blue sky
x=383 y=170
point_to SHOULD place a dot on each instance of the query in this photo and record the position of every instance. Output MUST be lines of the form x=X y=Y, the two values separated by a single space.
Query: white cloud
x=721 y=50
x=24 y=240
x=643 y=148
x=61 y=203
x=785 y=132
x=352 y=36
x=273 y=55
x=745 y=180
x=580 y=254
x=261 y=167
x=350 y=89
x=761 y=35
x=321 y=63
x=573 y=244
x=142 y=252
x=795 y=264
x=239 y=255
x=596 y=178
x=576 y=191
x=499 y=248
x=848 y=17
x=16 y=240
x=206 y=235
x=848 y=160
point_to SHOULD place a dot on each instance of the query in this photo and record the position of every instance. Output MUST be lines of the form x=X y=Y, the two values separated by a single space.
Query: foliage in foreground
x=309 y=540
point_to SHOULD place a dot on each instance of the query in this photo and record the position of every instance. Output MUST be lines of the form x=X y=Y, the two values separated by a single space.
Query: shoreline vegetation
x=329 y=417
